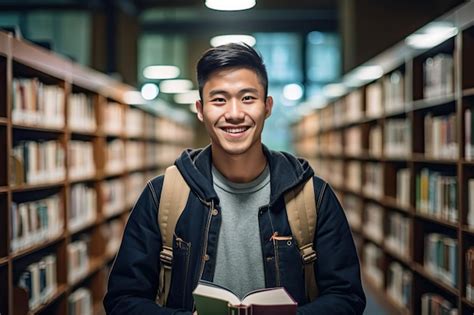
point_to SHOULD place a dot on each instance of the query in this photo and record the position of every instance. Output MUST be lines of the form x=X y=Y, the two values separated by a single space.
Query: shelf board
x=59 y=292
x=3 y=189
x=397 y=256
x=37 y=247
x=37 y=128
x=433 y=102
x=392 y=203
x=467 y=229
x=395 y=113
x=83 y=227
x=3 y=121
x=396 y=159
x=467 y=302
x=421 y=270
x=420 y=158
x=470 y=162
x=83 y=179
x=3 y=261
x=92 y=133
x=436 y=220
x=27 y=187
x=468 y=92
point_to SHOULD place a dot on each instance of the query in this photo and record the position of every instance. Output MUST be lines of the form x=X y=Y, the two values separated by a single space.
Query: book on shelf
x=353 y=209
x=134 y=120
x=39 y=280
x=114 y=120
x=469 y=256
x=81 y=159
x=35 y=222
x=374 y=222
x=37 y=104
x=434 y=304
x=212 y=299
x=135 y=153
x=394 y=92
x=470 y=200
x=374 y=100
x=373 y=264
x=82 y=207
x=115 y=156
x=375 y=141
x=399 y=284
x=113 y=196
x=373 y=185
x=78 y=260
x=354 y=176
x=353 y=141
x=440 y=136
x=438 y=74
x=80 y=302
x=398 y=236
x=469 y=135
x=112 y=234
x=41 y=162
x=403 y=187
x=436 y=195
x=440 y=257
x=397 y=138
x=354 y=106
x=81 y=113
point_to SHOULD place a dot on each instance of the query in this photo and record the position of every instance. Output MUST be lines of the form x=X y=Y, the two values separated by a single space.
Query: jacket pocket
x=179 y=273
x=289 y=265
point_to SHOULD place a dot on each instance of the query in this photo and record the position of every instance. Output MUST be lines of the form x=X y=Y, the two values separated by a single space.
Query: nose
x=234 y=112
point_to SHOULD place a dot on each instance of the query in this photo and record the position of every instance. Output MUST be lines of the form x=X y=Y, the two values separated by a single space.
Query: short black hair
x=229 y=56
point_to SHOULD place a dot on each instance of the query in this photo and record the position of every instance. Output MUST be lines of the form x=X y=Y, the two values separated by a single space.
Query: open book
x=212 y=299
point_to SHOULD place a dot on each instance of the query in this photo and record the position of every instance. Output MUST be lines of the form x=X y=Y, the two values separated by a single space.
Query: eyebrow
x=243 y=91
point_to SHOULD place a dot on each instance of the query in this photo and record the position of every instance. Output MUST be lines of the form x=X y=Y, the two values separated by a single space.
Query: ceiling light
x=161 y=72
x=334 y=90
x=292 y=92
x=133 y=98
x=230 y=5
x=227 y=39
x=150 y=91
x=189 y=97
x=368 y=73
x=175 y=86
x=431 y=35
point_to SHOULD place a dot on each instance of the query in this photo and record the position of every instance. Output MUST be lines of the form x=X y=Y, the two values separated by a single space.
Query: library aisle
x=398 y=150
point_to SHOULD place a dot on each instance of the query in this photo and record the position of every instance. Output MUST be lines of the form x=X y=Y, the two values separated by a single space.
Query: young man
x=236 y=207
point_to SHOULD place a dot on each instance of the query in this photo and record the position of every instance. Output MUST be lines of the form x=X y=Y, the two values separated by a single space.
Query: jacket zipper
x=277 y=260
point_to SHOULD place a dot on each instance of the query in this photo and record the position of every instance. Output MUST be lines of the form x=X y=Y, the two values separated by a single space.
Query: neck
x=241 y=168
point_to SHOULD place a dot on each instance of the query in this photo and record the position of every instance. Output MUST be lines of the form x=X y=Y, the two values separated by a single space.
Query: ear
x=268 y=106
x=199 y=110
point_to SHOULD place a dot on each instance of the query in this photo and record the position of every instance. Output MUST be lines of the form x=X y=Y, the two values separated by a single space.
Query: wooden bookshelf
x=145 y=144
x=421 y=116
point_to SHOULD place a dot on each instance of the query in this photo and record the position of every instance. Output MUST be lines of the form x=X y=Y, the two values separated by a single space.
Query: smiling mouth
x=235 y=130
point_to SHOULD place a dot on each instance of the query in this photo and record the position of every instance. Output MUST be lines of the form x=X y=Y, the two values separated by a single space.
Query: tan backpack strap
x=174 y=196
x=302 y=215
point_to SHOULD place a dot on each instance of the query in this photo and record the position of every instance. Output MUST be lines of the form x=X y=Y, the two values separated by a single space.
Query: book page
x=217 y=293
x=276 y=296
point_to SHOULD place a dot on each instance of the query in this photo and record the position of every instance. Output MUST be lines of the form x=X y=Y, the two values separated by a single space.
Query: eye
x=248 y=98
x=218 y=100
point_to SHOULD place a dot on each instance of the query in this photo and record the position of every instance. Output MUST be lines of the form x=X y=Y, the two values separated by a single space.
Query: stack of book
x=115 y=161
x=354 y=106
x=436 y=195
x=39 y=280
x=80 y=302
x=441 y=257
x=470 y=274
x=135 y=152
x=373 y=264
x=397 y=138
x=353 y=141
x=38 y=162
x=440 y=136
x=83 y=206
x=375 y=141
x=438 y=76
x=354 y=176
x=393 y=90
x=373 y=186
x=373 y=102
x=134 y=120
x=434 y=304
x=112 y=233
x=135 y=185
x=81 y=160
x=353 y=208
x=114 y=121
x=399 y=284
x=81 y=113
x=398 y=236
x=78 y=260
x=35 y=222
x=113 y=196
x=470 y=200
x=38 y=104
x=468 y=135
x=374 y=222
x=403 y=187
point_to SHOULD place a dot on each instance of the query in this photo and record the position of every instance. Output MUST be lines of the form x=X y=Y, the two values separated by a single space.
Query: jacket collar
x=286 y=172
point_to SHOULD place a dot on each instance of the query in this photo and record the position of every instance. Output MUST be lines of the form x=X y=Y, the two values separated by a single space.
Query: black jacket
x=134 y=276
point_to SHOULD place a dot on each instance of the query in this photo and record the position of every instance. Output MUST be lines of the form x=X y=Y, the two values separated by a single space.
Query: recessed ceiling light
x=189 y=97
x=431 y=35
x=226 y=39
x=161 y=72
x=368 y=73
x=175 y=86
x=334 y=90
x=230 y=5
x=293 y=92
x=150 y=91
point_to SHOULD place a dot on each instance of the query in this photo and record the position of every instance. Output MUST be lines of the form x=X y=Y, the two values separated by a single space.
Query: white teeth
x=235 y=130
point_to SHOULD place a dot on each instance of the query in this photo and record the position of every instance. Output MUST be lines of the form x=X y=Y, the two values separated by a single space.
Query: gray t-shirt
x=239 y=264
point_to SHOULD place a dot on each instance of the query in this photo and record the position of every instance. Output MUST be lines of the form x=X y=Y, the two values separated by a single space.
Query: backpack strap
x=302 y=215
x=174 y=196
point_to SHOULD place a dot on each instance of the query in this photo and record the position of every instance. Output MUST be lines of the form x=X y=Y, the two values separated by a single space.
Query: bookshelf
x=72 y=147
x=398 y=151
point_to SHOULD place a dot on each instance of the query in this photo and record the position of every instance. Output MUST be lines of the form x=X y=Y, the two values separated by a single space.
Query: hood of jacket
x=286 y=172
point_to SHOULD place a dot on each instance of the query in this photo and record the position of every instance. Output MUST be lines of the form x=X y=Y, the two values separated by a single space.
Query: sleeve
x=337 y=266
x=133 y=280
